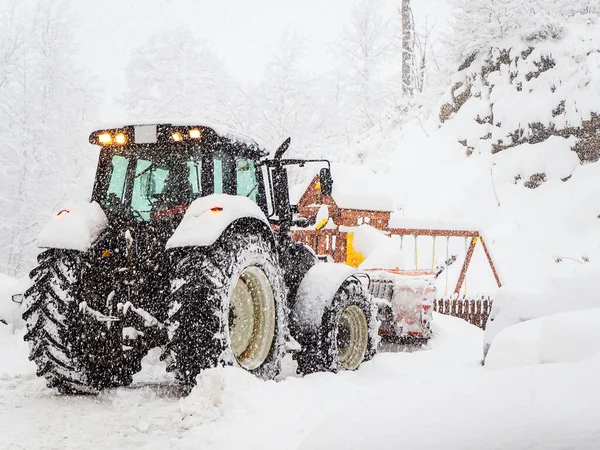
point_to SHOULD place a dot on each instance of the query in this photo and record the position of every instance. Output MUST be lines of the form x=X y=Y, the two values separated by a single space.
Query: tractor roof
x=161 y=133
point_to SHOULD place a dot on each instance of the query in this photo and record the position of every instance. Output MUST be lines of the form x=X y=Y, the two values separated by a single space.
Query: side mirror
x=326 y=181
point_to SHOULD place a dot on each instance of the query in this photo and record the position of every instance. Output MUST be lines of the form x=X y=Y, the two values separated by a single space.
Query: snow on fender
x=207 y=218
x=316 y=291
x=74 y=227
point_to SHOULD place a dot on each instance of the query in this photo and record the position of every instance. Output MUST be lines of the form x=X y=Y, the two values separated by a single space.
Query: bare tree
x=408 y=31
x=365 y=51
x=44 y=98
x=175 y=75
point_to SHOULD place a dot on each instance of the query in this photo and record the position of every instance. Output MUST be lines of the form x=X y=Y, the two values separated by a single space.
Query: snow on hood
x=74 y=227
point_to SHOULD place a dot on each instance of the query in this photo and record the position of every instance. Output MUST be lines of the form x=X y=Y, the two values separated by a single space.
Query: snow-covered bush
x=528 y=89
x=481 y=24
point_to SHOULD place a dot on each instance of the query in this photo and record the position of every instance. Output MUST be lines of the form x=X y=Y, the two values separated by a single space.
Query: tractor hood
x=74 y=227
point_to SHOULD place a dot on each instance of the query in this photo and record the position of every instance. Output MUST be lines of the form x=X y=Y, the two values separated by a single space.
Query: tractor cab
x=152 y=173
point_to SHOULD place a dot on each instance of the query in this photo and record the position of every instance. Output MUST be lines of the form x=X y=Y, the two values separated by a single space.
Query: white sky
x=243 y=32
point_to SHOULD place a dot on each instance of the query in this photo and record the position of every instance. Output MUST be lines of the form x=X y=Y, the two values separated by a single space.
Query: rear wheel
x=227 y=308
x=346 y=337
x=77 y=352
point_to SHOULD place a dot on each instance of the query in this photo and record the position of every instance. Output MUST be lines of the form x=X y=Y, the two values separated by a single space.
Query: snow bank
x=13 y=356
x=208 y=217
x=566 y=337
x=569 y=292
x=74 y=227
x=531 y=409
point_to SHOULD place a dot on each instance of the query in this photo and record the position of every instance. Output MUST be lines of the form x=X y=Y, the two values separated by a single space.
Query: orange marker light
x=216 y=209
x=177 y=137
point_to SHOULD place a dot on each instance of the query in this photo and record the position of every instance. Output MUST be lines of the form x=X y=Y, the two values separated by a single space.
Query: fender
x=208 y=217
x=74 y=227
x=316 y=292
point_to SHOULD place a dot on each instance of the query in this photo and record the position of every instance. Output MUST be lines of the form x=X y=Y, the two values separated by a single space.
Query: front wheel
x=347 y=335
x=227 y=308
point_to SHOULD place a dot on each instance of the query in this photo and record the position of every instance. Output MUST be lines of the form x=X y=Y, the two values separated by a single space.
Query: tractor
x=185 y=245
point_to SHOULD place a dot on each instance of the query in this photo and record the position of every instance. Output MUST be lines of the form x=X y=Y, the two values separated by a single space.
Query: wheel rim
x=352 y=337
x=252 y=318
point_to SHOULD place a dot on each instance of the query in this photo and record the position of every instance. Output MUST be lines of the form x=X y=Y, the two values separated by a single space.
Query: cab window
x=224 y=174
x=116 y=187
x=247 y=185
x=158 y=187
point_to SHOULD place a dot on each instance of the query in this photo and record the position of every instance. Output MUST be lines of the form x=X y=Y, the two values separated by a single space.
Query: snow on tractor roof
x=354 y=187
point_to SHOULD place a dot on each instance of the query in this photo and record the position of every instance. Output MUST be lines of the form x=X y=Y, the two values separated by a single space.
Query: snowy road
x=439 y=398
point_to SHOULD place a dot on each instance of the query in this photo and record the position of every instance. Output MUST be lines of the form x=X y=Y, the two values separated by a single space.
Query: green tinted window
x=246 y=178
x=224 y=174
x=116 y=188
x=149 y=181
x=218 y=173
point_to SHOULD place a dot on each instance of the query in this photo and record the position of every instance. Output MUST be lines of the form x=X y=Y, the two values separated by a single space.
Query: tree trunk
x=407 y=49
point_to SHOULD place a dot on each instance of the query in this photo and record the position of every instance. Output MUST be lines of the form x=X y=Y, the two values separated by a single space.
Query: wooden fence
x=475 y=312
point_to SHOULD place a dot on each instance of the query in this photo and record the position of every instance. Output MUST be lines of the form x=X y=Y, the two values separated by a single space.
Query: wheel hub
x=352 y=337
x=252 y=318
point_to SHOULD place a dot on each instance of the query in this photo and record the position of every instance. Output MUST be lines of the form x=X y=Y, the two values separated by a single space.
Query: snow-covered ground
x=437 y=398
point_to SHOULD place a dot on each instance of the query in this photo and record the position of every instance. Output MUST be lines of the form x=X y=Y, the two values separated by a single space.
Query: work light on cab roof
x=146 y=134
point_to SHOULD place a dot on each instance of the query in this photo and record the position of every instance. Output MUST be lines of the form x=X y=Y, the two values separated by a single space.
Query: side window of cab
x=246 y=182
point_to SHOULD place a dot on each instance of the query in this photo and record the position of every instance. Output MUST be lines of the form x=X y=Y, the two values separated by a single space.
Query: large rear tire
x=347 y=335
x=227 y=308
x=74 y=351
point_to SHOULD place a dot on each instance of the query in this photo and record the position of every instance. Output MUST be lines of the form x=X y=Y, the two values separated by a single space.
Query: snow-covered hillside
x=510 y=158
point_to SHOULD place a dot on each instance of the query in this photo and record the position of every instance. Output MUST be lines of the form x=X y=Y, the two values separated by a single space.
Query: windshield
x=158 y=188
x=149 y=188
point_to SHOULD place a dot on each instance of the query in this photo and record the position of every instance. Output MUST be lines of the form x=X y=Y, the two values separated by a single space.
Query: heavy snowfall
x=464 y=114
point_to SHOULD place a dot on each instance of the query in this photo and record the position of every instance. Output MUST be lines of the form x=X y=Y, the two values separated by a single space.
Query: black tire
x=76 y=353
x=199 y=313
x=323 y=350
